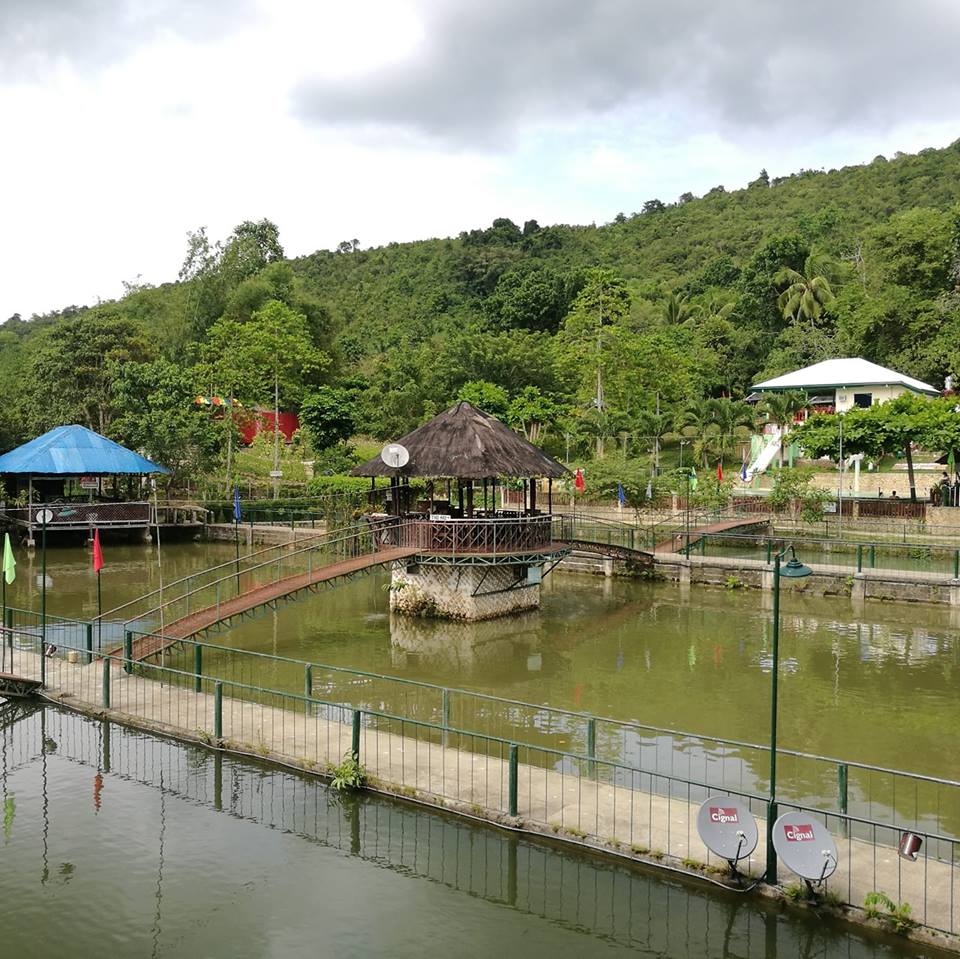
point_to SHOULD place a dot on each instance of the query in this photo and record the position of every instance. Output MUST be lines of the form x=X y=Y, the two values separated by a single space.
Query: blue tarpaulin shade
x=75 y=451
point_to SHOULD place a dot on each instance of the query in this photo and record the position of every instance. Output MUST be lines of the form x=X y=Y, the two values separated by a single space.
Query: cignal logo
x=798 y=833
x=724 y=814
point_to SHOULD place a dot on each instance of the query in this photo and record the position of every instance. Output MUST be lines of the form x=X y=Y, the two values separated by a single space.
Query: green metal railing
x=828 y=783
x=567 y=791
x=852 y=555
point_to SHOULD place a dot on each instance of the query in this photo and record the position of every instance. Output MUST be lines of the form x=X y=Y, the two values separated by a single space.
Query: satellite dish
x=727 y=828
x=805 y=846
x=395 y=455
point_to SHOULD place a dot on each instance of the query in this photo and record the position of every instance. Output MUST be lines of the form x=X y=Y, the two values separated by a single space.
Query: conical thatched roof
x=466 y=443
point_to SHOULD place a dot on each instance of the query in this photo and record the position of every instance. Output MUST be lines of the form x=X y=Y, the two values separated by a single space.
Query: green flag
x=9 y=563
x=693 y=479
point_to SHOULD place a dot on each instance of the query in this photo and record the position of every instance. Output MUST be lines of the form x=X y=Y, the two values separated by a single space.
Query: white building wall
x=879 y=394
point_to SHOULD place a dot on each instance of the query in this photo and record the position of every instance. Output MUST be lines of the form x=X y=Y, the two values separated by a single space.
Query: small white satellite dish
x=805 y=846
x=727 y=828
x=395 y=455
x=44 y=516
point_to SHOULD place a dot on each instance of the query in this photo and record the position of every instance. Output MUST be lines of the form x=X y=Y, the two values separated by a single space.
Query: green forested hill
x=674 y=303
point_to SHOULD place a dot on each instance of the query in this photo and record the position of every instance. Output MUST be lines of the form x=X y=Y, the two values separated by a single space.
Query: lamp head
x=794 y=569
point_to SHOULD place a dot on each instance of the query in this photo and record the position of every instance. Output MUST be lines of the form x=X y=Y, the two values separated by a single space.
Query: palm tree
x=716 y=426
x=782 y=410
x=655 y=426
x=676 y=309
x=806 y=295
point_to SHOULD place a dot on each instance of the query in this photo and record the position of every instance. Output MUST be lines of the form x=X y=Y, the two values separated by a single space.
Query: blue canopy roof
x=74 y=451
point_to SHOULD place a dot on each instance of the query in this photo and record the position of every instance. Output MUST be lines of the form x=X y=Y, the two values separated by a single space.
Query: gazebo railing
x=83 y=515
x=487 y=536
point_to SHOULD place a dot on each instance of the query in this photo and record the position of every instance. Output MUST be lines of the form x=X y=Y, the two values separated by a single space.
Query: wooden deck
x=187 y=626
x=676 y=541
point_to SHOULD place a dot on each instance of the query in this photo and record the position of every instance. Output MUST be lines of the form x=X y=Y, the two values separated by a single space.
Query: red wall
x=262 y=421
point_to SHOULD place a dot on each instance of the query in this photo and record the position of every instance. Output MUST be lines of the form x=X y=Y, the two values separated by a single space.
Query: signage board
x=276 y=474
x=89 y=482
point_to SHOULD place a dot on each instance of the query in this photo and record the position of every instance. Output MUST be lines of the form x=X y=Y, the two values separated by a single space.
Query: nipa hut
x=457 y=450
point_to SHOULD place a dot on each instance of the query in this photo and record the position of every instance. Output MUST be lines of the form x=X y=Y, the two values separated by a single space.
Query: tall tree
x=72 y=368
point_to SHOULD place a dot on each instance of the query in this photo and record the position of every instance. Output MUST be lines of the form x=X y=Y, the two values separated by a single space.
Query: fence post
x=89 y=631
x=859 y=557
x=128 y=651
x=956 y=564
x=307 y=687
x=512 y=794
x=218 y=711
x=873 y=555
x=106 y=683
x=445 y=711
x=355 y=743
x=842 y=792
x=592 y=746
x=197 y=668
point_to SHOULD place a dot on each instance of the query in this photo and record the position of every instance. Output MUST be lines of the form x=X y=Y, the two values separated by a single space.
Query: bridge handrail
x=350 y=533
x=229 y=564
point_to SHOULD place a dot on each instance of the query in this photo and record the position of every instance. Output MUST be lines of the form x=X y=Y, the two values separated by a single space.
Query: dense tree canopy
x=578 y=334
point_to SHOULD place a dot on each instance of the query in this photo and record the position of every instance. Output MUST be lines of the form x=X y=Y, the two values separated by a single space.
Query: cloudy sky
x=127 y=123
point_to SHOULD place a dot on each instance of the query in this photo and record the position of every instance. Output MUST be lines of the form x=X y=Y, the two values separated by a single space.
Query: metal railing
x=916 y=560
x=628 y=804
x=246 y=572
x=829 y=784
x=83 y=515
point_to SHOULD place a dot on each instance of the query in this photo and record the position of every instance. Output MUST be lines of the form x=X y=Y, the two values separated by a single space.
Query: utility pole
x=600 y=403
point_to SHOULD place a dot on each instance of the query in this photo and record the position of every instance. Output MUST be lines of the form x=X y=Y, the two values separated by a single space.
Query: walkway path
x=639 y=812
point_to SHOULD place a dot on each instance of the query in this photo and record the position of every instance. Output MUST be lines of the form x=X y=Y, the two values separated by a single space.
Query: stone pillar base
x=461 y=592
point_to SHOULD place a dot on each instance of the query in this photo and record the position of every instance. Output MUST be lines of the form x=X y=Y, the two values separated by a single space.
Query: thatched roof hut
x=466 y=443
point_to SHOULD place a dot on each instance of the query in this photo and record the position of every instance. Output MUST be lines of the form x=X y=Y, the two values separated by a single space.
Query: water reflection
x=149 y=846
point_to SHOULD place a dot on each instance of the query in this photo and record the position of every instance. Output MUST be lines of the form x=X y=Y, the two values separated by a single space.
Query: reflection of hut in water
x=475 y=559
x=466 y=645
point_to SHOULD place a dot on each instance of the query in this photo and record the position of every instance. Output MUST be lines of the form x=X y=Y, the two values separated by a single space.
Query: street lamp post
x=794 y=569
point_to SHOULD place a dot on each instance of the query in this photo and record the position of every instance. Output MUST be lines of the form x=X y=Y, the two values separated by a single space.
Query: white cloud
x=113 y=150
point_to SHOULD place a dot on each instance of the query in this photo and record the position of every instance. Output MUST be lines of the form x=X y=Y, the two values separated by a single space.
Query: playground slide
x=767 y=454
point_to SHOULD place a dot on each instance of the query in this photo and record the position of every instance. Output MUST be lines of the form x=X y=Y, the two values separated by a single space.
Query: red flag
x=578 y=481
x=97 y=552
x=719 y=471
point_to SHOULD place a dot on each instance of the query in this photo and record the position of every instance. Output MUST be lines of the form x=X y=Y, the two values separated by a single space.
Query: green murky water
x=878 y=688
x=117 y=843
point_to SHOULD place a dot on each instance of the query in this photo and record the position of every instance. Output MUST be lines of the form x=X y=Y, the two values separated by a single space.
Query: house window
x=863 y=400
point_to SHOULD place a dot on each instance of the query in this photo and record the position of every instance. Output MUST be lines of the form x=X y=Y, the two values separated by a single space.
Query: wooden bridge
x=268 y=595
x=18 y=687
x=679 y=538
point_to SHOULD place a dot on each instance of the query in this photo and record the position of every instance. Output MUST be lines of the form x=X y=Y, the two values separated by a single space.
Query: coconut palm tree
x=716 y=426
x=656 y=426
x=807 y=294
x=782 y=410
